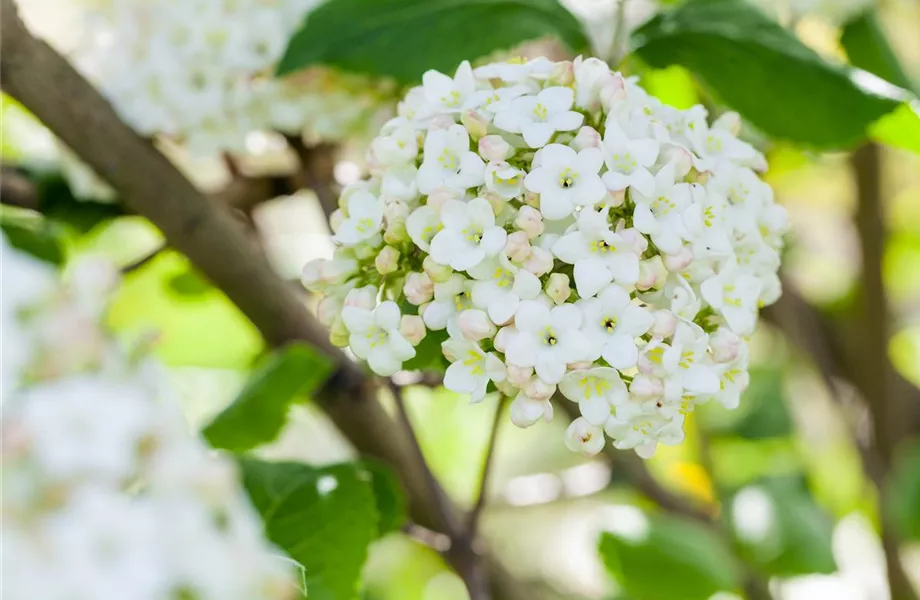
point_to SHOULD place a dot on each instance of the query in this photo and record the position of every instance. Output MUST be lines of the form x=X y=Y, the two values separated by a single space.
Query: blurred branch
x=472 y=523
x=17 y=190
x=43 y=81
x=316 y=171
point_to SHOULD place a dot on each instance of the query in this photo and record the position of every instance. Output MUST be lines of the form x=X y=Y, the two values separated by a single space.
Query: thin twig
x=448 y=517
x=472 y=522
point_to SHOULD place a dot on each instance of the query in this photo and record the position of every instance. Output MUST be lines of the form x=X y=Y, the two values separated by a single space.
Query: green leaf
x=428 y=355
x=390 y=497
x=762 y=413
x=189 y=283
x=56 y=201
x=867 y=48
x=259 y=412
x=324 y=518
x=780 y=529
x=765 y=73
x=899 y=129
x=904 y=491
x=405 y=38
x=659 y=557
x=33 y=235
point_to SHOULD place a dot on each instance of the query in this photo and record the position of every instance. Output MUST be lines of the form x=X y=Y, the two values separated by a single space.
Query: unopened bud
x=495 y=201
x=581 y=436
x=680 y=157
x=328 y=310
x=638 y=241
x=532 y=199
x=338 y=334
x=652 y=274
x=475 y=124
x=526 y=411
x=615 y=198
x=557 y=288
x=563 y=73
x=362 y=297
x=412 y=327
x=395 y=210
x=396 y=233
x=680 y=261
x=587 y=137
x=519 y=376
x=665 y=324
x=475 y=325
x=730 y=122
x=438 y=197
x=418 y=288
x=504 y=335
x=437 y=273
x=725 y=345
x=387 y=260
x=539 y=389
x=517 y=247
x=494 y=148
x=530 y=221
x=644 y=386
x=540 y=261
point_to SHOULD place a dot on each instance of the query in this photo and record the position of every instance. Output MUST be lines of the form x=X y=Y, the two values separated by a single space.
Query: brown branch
x=316 y=171
x=474 y=516
x=17 y=190
x=37 y=76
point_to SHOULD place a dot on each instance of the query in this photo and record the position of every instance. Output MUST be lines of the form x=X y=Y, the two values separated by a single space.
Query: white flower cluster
x=105 y=493
x=201 y=71
x=553 y=227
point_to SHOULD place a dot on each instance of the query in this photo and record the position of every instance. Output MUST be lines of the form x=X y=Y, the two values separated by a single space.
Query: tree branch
x=43 y=81
x=474 y=516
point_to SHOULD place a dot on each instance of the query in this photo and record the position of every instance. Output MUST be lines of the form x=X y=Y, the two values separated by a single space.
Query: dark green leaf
x=904 y=505
x=428 y=355
x=780 y=528
x=260 y=410
x=405 y=38
x=33 y=235
x=867 y=48
x=390 y=497
x=765 y=73
x=56 y=201
x=665 y=558
x=762 y=413
x=324 y=518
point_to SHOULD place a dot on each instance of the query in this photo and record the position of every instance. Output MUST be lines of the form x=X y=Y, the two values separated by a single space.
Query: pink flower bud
x=725 y=345
x=519 y=376
x=437 y=273
x=538 y=389
x=527 y=411
x=557 y=288
x=495 y=201
x=321 y=272
x=540 y=261
x=612 y=92
x=563 y=73
x=730 y=122
x=494 y=148
x=646 y=387
x=615 y=198
x=652 y=274
x=412 y=328
x=387 y=260
x=665 y=324
x=418 y=288
x=504 y=335
x=587 y=137
x=328 y=310
x=475 y=325
x=438 y=197
x=476 y=124
x=638 y=241
x=395 y=210
x=680 y=261
x=362 y=297
x=530 y=221
x=517 y=247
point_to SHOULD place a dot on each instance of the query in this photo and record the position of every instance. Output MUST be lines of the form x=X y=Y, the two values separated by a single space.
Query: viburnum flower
x=568 y=235
x=536 y=118
x=365 y=218
x=566 y=179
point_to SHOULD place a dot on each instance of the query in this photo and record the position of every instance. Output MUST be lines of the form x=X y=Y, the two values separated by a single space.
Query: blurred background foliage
x=782 y=475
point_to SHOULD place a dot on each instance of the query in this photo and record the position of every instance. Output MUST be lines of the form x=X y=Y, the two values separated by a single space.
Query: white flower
x=612 y=323
x=734 y=378
x=734 y=295
x=472 y=369
x=516 y=71
x=682 y=365
x=450 y=298
x=566 y=179
x=628 y=161
x=469 y=234
x=365 y=219
x=500 y=288
x=449 y=162
x=525 y=411
x=397 y=144
x=581 y=436
x=375 y=337
x=504 y=180
x=448 y=94
x=538 y=117
x=599 y=255
x=595 y=84
x=660 y=211
x=642 y=430
x=596 y=391
x=547 y=340
x=423 y=224
x=495 y=100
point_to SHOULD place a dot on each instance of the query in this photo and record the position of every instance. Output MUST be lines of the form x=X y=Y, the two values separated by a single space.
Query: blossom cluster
x=105 y=491
x=201 y=71
x=552 y=227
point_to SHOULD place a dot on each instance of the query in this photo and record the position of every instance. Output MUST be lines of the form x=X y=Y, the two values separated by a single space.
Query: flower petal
x=591 y=276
